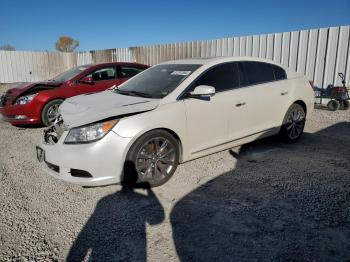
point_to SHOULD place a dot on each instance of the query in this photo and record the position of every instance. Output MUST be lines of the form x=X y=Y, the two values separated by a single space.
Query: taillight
x=312 y=84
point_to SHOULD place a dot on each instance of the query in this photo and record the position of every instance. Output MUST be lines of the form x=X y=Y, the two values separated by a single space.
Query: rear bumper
x=20 y=114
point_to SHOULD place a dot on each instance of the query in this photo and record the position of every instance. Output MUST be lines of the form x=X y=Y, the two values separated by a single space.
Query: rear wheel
x=293 y=124
x=50 y=112
x=333 y=105
x=151 y=160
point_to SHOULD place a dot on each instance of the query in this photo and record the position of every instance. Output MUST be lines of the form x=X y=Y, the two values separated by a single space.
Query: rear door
x=257 y=104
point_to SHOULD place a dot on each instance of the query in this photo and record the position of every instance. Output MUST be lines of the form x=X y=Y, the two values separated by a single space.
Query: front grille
x=54 y=132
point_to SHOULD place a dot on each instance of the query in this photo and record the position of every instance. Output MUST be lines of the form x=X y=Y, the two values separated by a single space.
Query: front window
x=71 y=73
x=101 y=74
x=222 y=77
x=158 y=81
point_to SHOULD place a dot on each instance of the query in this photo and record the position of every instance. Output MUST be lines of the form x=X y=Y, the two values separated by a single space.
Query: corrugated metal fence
x=318 y=53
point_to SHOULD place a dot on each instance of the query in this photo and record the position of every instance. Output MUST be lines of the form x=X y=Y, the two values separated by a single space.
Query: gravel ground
x=262 y=201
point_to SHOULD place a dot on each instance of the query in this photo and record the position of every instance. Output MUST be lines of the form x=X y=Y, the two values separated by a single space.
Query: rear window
x=128 y=71
x=258 y=72
x=279 y=72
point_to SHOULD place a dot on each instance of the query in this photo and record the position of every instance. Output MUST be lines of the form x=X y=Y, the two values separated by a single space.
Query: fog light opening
x=80 y=173
x=20 y=117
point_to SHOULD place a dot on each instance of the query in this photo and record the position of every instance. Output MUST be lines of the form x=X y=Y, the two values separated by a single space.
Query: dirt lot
x=264 y=201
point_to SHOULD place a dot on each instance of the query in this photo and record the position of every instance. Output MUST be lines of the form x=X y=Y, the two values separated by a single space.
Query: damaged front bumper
x=94 y=164
x=20 y=114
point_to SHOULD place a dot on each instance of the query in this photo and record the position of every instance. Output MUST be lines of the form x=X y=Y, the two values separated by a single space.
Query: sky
x=37 y=24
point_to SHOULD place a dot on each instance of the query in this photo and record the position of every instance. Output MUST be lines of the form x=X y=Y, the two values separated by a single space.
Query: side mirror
x=87 y=80
x=202 y=91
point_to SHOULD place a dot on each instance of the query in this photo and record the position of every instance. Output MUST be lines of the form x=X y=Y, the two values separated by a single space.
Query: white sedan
x=171 y=113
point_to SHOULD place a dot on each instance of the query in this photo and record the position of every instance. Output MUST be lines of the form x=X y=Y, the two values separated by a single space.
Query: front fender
x=170 y=116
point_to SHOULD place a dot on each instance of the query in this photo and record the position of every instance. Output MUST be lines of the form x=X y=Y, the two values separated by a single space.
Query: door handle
x=241 y=103
x=284 y=93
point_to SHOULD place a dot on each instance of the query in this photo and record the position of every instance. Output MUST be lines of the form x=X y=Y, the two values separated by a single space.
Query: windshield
x=71 y=73
x=158 y=81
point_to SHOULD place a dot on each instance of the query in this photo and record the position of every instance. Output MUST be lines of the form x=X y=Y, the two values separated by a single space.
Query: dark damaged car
x=36 y=103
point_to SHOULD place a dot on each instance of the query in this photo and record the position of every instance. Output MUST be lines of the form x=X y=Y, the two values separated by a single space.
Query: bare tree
x=7 y=47
x=66 y=44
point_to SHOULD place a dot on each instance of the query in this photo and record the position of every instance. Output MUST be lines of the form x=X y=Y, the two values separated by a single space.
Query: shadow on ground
x=281 y=202
x=116 y=230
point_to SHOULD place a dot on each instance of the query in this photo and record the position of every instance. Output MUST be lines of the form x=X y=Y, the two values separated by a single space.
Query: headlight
x=25 y=99
x=89 y=133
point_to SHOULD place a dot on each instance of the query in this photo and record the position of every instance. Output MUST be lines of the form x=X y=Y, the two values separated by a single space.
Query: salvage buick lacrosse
x=35 y=103
x=171 y=113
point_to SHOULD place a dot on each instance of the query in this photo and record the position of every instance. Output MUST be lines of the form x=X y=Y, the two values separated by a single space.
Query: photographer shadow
x=116 y=231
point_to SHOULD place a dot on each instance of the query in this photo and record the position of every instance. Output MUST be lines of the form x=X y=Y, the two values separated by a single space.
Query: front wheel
x=151 y=160
x=50 y=112
x=293 y=124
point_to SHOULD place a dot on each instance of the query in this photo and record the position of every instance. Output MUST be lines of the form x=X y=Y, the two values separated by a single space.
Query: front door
x=98 y=80
x=207 y=119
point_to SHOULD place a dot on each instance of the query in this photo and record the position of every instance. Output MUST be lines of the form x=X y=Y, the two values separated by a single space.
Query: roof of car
x=202 y=61
x=210 y=61
x=117 y=63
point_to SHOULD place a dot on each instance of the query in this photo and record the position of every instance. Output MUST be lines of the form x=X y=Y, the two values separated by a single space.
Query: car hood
x=23 y=88
x=90 y=108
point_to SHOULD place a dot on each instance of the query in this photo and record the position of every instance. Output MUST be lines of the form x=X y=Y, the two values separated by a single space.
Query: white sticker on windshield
x=181 y=73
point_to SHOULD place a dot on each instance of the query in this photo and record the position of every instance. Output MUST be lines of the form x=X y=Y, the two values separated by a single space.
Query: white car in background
x=172 y=113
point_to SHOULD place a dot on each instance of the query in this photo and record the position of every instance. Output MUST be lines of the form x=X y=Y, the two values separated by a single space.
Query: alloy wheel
x=52 y=112
x=295 y=123
x=156 y=159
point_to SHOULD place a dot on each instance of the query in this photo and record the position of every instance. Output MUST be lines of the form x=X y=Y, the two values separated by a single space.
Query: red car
x=35 y=103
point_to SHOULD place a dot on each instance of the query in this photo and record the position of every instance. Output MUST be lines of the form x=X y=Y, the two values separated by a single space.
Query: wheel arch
x=168 y=130
x=299 y=102
x=44 y=103
x=139 y=135
x=177 y=137
x=302 y=104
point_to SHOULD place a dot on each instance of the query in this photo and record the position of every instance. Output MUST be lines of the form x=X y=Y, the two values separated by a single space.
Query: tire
x=293 y=124
x=345 y=104
x=151 y=160
x=333 y=105
x=49 y=112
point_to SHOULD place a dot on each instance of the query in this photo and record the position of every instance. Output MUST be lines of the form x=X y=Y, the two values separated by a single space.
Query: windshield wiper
x=133 y=93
